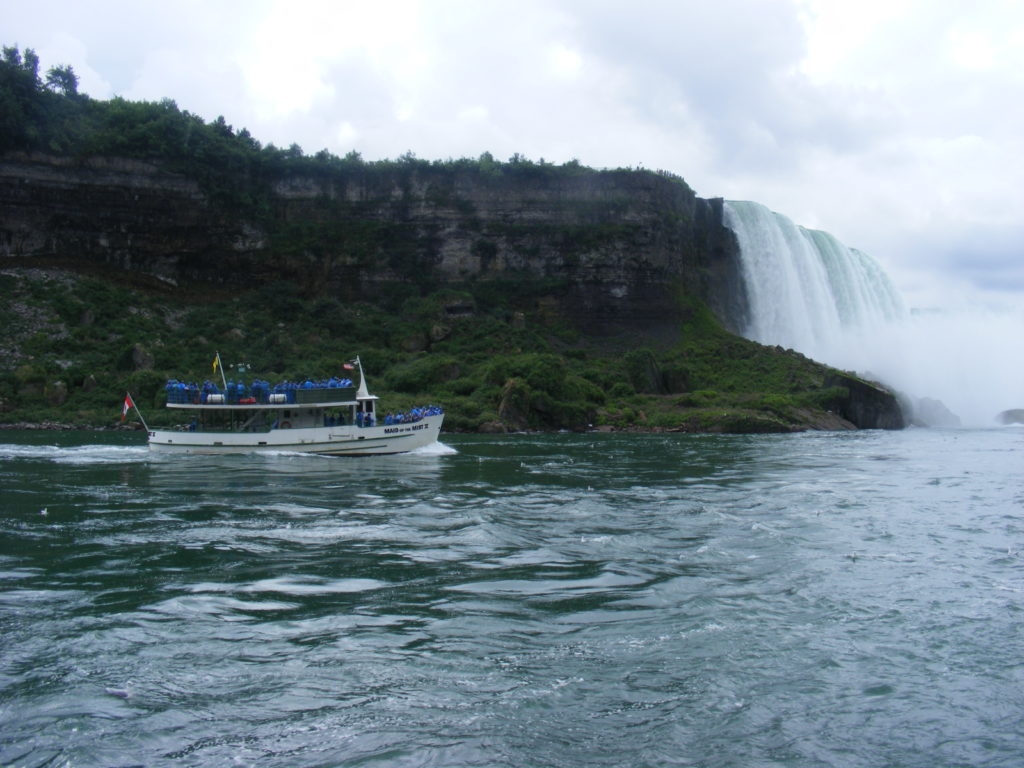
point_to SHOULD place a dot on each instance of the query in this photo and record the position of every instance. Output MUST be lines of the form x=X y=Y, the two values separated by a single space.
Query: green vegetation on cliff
x=77 y=343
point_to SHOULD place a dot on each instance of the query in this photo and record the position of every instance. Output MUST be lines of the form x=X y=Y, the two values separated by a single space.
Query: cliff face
x=611 y=250
x=110 y=212
x=614 y=252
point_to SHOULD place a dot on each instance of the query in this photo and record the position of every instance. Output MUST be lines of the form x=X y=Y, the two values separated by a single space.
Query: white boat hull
x=327 y=441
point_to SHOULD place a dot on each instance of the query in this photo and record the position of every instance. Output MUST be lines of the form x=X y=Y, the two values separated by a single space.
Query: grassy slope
x=74 y=344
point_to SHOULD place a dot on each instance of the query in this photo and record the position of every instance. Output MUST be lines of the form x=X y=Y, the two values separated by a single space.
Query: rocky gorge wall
x=614 y=251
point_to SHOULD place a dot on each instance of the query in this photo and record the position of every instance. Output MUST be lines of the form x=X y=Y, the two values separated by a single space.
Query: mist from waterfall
x=809 y=292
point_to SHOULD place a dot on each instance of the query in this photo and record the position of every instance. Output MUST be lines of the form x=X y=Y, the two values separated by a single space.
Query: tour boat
x=331 y=418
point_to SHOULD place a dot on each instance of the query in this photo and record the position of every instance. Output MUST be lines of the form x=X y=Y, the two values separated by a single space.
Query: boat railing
x=258 y=393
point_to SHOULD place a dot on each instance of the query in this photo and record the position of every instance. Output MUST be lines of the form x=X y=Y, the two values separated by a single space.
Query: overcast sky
x=897 y=125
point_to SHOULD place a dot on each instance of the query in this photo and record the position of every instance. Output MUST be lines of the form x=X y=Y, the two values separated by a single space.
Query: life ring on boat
x=285 y=425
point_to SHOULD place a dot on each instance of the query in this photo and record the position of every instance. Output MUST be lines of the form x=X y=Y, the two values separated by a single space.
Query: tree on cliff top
x=19 y=82
x=62 y=79
x=34 y=115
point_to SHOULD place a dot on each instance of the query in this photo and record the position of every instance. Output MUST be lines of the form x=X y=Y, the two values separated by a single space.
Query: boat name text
x=396 y=430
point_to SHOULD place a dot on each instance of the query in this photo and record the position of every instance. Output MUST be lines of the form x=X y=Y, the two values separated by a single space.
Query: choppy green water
x=562 y=600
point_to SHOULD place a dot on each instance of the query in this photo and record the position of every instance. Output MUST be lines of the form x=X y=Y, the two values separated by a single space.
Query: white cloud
x=565 y=62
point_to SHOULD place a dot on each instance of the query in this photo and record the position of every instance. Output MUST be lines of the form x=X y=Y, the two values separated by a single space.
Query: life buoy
x=285 y=425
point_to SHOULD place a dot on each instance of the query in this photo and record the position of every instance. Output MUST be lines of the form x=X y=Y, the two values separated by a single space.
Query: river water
x=823 y=599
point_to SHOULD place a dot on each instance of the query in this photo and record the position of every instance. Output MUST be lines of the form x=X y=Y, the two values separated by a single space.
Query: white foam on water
x=434 y=449
x=79 y=454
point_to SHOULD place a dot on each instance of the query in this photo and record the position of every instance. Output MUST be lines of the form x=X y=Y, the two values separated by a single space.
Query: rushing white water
x=805 y=287
x=809 y=292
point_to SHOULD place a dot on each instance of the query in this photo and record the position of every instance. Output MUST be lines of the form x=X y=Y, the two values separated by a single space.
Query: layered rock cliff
x=621 y=253
x=613 y=250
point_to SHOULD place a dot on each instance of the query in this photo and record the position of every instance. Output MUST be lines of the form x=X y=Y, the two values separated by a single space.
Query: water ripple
x=528 y=600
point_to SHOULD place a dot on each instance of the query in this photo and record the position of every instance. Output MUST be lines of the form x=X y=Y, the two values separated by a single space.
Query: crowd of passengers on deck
x=369 y=419
x=414 y=415
x=238 y=393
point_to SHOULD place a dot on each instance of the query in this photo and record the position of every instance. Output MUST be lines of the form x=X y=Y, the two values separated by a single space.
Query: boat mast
x=218 y=364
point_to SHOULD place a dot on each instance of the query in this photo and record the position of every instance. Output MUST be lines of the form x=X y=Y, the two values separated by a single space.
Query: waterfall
x=809 y=292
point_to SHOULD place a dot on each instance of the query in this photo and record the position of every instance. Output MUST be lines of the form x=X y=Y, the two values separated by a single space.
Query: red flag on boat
x=127 y=404
x=348 y=367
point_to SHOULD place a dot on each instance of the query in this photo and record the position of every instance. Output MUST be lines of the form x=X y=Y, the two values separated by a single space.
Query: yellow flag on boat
x=216 y=362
